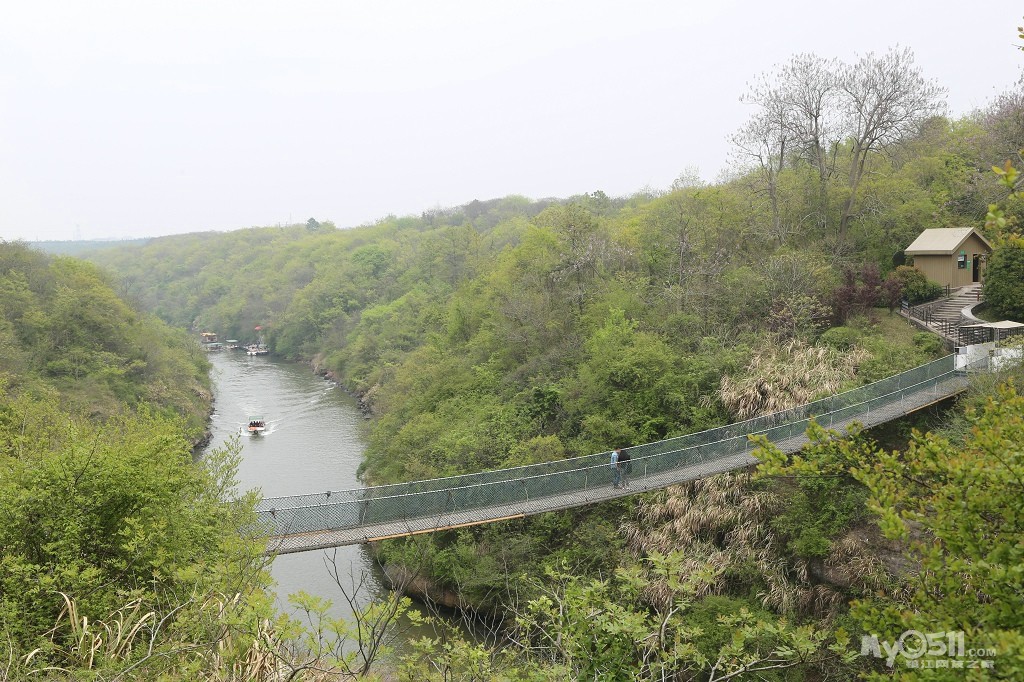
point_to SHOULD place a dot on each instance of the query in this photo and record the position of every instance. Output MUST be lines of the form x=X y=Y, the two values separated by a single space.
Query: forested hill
x=64 y=330
x=106 y=519
x=513 y=330
x=77 y=247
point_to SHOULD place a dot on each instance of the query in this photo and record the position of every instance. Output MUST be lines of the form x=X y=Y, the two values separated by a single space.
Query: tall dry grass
x=782 y=376
x=218 y=644
x=724 y=522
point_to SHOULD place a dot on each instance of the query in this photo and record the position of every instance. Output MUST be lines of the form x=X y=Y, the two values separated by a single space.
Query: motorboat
x=257 y=425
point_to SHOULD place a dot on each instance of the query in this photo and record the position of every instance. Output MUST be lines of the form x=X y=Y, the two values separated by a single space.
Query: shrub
x=798 y=316
x=840 y=338
x=928 y=342
x=861 y=290
x=816 y=511
x=916 y=287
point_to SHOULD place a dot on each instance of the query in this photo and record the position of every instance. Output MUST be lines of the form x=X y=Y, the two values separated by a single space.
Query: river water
x=313 y=443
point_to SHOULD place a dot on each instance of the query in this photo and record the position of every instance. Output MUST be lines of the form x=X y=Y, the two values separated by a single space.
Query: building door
x=976 y=269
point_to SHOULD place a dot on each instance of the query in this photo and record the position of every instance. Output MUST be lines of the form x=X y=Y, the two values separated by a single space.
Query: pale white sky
x=136 y=118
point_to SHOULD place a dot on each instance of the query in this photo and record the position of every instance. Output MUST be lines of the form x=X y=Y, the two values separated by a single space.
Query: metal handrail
x=359 y=519
x=641 y=458
x=780 y=416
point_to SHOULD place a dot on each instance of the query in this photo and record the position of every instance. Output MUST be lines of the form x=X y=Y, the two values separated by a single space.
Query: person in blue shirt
x=616 y=472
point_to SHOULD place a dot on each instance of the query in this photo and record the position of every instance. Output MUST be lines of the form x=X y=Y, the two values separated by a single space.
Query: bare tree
x=1003 y=121
x=764 y=141
x=887 y=99
x=798 y=118
x=810 y=90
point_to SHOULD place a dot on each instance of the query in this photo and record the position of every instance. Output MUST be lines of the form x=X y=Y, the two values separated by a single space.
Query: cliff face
x=419 y=587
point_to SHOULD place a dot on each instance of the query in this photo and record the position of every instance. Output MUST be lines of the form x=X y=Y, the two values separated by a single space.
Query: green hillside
x=114 y=541
x=64 y=328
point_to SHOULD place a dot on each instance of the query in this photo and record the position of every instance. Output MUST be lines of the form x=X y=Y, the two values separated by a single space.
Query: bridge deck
x=317 y=526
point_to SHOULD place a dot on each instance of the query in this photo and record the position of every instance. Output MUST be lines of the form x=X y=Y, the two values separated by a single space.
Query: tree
x=798 y=119
x=914 y=285
x=317 y=641
x=667 y=244
x=887 y=99
x=765 y=140
x=956 y=506
x=101 y=515
x=810 y=93
x=632 y=387
x=580 y=248
x=1004 y=279
x=1007 y=123
x=583 y=629
x=1003 y=120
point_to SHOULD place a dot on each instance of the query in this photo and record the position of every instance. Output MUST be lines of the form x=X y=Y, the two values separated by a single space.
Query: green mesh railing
x=445 y=502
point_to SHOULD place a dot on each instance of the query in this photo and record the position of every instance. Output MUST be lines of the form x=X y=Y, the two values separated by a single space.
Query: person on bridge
x=625 y=467
x=616 y=471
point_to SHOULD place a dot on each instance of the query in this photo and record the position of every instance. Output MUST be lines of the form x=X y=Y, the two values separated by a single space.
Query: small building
x=953 y=256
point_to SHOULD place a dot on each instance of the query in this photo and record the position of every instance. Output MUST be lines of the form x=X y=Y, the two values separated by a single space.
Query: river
x=313 y=442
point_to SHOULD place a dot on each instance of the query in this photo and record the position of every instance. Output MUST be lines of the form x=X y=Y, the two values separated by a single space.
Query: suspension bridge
x=301 y=523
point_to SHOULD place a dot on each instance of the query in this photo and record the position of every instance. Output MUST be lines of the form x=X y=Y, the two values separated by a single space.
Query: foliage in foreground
x=117 y=548
x=582 y=628
x=954 y=502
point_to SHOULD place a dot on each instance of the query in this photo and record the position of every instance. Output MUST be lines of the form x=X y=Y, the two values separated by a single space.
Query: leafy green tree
x=955 y=504
x=632 y=387
x=580 y=251
x=584 y=628
x=110 y=511
x=1004 y=279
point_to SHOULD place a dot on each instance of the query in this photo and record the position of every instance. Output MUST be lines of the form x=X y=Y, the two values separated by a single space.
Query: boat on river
x=260 y=347
x=257 y=425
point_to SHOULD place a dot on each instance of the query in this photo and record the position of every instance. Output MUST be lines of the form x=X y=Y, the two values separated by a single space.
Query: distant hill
x=78 y=247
